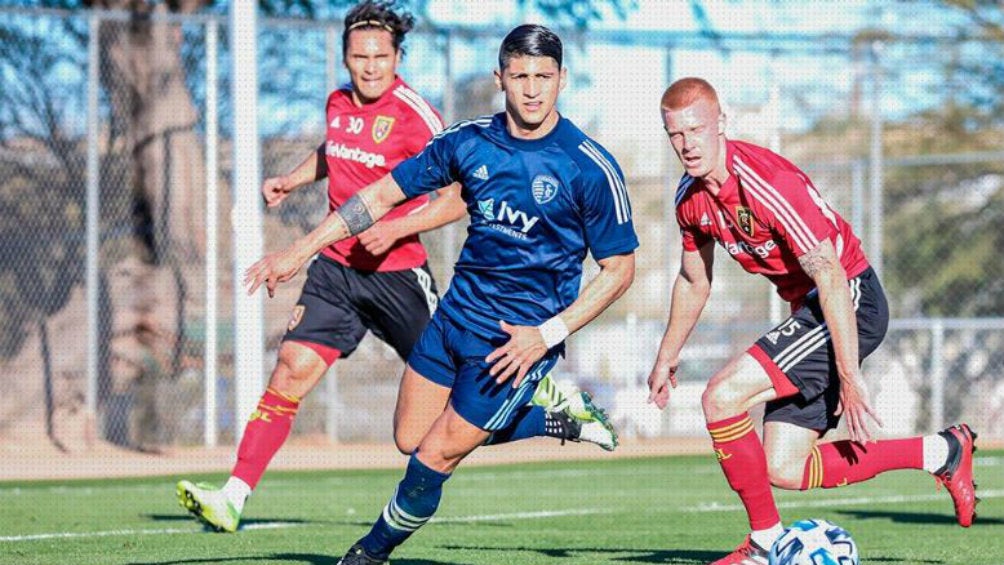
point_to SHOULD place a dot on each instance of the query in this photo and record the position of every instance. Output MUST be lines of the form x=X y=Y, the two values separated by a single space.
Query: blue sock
x=414 y=502
x=528 y=422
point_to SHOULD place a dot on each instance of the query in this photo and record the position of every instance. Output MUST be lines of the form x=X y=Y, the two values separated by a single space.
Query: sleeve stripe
x=614 y=180
x=484 y=121
x=777 y=204
x=616 y=183
x=681 y=190
x=421 y=107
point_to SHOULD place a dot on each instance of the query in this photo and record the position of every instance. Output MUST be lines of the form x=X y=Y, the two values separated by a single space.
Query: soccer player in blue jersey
x=540 y=194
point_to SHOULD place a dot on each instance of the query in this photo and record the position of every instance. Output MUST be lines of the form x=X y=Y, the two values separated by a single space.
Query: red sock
x=264 y=434
x=744 y=463
x=844 y=463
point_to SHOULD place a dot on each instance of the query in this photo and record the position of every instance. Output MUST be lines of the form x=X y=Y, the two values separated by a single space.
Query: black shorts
x=339 y=304
x=798 y=355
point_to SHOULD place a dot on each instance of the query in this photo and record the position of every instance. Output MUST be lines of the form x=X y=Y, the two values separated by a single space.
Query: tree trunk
x=154 y=116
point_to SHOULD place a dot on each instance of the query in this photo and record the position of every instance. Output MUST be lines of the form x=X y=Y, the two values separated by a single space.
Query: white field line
x=517 y=516
x=151 y=532
x=277 y=525
x=838 y=502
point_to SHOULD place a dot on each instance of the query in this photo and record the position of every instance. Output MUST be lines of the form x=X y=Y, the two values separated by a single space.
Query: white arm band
x=554 y=331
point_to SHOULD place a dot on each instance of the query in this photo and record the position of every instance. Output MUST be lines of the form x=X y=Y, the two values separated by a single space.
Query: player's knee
x=784 y=472
x=720 y=401
x=293 y=374
x=406 y=442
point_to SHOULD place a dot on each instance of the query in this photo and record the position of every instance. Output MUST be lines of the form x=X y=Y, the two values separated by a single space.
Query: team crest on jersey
x=295 y=316
x=487 y=208
x=544 y=187
x=745 y=217
x=381 y=128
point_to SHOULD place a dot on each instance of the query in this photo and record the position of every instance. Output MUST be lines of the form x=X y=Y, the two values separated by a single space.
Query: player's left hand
x=524 y=348
x=854 y=405
x=271 y=270
x=379 y=237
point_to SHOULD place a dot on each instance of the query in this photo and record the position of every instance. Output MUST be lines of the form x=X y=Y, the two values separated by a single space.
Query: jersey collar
x=529 y=144
x=731 y=186
x=386 y=96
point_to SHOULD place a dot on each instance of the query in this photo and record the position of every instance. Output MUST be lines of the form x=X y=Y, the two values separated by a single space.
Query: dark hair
x=378 y=14
x=530 y=40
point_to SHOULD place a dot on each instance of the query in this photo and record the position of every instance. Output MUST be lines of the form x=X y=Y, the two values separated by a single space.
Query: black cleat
x=595 y=428
x=358 y=556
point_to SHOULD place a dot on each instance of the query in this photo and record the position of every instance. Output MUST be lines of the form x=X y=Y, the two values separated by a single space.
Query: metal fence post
x=875 y=252
x=330 y=61
x=937 y=375
x=247 y=216
x=857 y=195
x=93 y=216
x=212 y=240
x=449 y=94
x=331 y=393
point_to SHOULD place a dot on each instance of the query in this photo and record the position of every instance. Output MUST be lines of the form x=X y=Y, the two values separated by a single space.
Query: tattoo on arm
x=356 y=214
x=813 y=262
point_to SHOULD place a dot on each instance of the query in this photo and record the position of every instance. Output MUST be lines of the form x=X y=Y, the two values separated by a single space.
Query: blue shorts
x=452 y=356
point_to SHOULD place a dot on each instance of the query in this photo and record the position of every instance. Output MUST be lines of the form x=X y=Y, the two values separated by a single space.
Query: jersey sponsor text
x=342 y=151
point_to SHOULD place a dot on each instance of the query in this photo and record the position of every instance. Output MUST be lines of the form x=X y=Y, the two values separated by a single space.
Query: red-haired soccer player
x=768 y=216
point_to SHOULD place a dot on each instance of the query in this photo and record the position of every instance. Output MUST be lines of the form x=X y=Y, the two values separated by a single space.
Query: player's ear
x=563 y=78
x=498 y=80
x=721 y=123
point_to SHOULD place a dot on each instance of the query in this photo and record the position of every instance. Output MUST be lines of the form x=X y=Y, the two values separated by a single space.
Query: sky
x=765 y=94
x=818 y=16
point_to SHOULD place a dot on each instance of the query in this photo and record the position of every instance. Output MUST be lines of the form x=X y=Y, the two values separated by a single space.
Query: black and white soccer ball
x=814 y=542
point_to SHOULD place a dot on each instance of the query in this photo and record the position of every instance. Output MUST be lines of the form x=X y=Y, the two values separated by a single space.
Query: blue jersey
x=536 y=207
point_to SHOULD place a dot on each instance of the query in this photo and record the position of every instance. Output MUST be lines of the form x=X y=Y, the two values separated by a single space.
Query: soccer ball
x=814 y=542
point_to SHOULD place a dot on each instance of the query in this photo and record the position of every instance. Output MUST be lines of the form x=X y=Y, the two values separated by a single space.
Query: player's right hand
x=271 y=270
x=275 y=190
x=855 y=406
x=663 y=376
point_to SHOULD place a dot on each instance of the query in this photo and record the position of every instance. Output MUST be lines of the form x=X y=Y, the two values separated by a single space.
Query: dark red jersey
x=765 y=216
x=363 y=144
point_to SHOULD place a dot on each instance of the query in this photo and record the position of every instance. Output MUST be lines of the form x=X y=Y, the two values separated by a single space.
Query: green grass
x=612 y=512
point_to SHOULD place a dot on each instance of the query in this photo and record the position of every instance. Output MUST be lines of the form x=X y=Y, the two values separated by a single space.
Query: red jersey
x=766 y=215
x=363 y=144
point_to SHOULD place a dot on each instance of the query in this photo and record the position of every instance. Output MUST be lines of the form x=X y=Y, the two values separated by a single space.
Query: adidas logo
x=705 y=220
x=481 y=173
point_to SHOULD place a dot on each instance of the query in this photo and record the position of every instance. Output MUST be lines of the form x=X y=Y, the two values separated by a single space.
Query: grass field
x=616 y=512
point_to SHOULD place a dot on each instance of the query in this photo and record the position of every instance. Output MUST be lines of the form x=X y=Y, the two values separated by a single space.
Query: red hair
x=686 y=91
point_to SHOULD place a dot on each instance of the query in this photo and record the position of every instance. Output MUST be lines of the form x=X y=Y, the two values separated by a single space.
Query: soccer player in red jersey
x=768 y=216
x=379 y=281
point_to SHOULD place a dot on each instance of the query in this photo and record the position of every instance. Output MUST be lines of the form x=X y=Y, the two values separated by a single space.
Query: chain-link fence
x=918 y=174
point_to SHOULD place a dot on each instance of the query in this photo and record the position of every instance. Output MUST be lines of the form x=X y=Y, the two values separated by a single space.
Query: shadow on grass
x=634 y=555
x=915 y=517
x=298 y=558
x=245 y=524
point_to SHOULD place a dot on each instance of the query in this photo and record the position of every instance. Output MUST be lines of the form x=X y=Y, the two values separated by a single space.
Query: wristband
x=554 y=331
